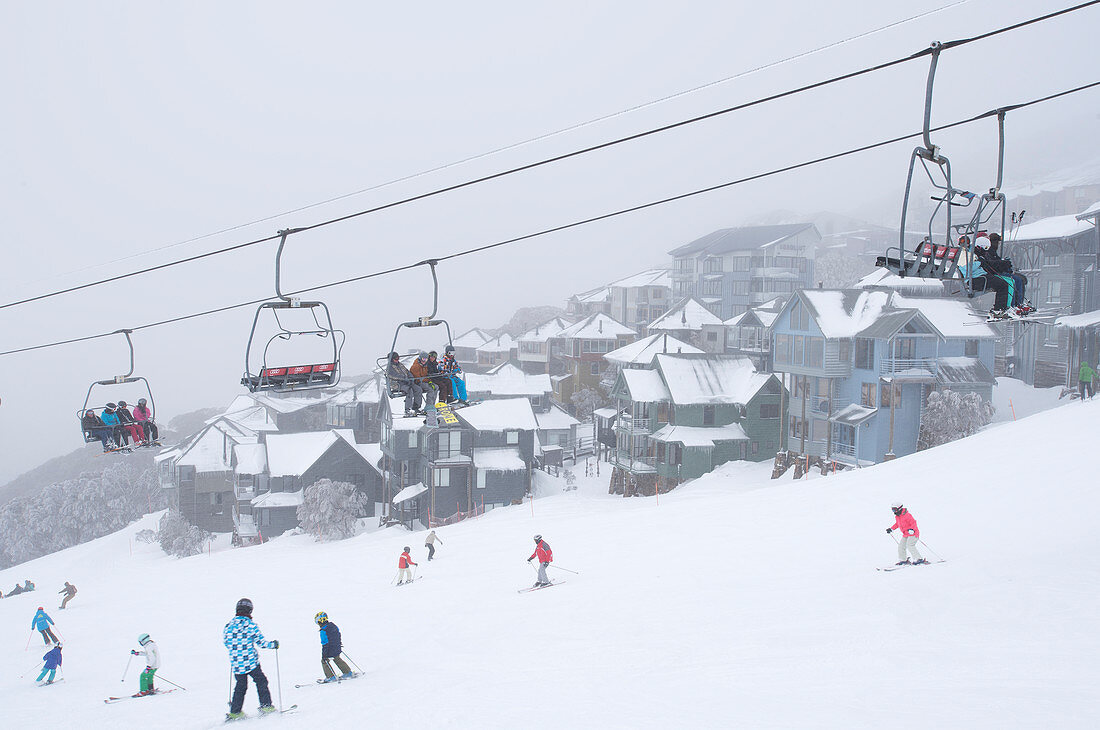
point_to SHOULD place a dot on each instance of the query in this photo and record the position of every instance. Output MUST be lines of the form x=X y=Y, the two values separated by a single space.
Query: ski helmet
x=111 y=406
x=41 y=609
x=144 y=639
x=321 y=618
x=449 y=349
x=981 y=242
x=897 y=507
x=142 y=401
x=394 y=356
x=244 y=607
x=423 y=355
x=538 y=537
x=122 y=404
x=407 y=548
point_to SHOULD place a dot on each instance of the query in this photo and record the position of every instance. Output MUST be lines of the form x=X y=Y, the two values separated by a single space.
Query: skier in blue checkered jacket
x=241 y=637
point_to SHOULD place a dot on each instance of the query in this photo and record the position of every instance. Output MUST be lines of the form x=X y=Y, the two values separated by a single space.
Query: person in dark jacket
x=422 y=373
x=69 y=591
x=403 y=380
x=92 y=424
x=126 y=419
x=995 y=264
x=53 y=661
x=440 y=379
x=331 y=648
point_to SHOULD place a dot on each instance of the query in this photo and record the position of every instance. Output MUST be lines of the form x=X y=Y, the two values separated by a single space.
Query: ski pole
x=567 y=570
x=359 y=668
x=36 y=666
x=165 y=679
x=938 y=556
x=394 y=577
x=28 y=646
x=127 y=669
x=279 y=679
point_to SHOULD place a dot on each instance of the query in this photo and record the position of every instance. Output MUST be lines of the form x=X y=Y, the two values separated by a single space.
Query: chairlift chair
x=287 y=378
x=116 y=380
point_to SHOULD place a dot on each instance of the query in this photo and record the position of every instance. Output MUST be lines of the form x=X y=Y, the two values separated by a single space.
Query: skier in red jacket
x=545 y=556
x=403 y=570
x=909 y=534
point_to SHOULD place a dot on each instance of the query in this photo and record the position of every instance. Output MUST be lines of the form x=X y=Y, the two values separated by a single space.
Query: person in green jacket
x=1084 y=380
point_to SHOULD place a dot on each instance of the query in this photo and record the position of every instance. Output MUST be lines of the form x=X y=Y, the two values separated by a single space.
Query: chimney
x=664 y=345
x=601 y=326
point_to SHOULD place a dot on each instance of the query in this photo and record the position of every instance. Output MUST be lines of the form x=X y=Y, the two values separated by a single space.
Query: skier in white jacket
x=151 y=652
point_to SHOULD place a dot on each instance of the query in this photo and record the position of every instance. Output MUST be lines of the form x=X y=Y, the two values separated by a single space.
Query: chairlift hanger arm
x=278 y=262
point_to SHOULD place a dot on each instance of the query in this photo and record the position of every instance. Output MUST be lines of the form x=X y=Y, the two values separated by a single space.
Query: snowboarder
x=151 y=653
x=429 y=542
x=41 y=623
x=400 y=378
x=144 y=417
x=69 y=590
x=909 y=534
x=94 y=426
x=404 y=572
x=545 y=556
x=53 y=661
x=331 y=648
x=1085 y=376
x=454 y=371
x=241 y=636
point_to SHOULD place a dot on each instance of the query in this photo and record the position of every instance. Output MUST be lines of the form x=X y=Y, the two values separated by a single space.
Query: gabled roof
x=890 y=322
x=883 y=277
x=501 y=343
x=1059 y=226
x=473 y=338
x=596 y=326
x=700 y=435
x=1092 y=213
x=843 y=312
x=645 y=386
x=599 y=294
x=293 y=454
x=954 y=318
x=555 y=418
x=544 y=331
x=251 y=458
x=650 y=277
x=641 y=352
x=688 y=314
x=207 y=450
x=753 y=318
x=740 y=239
x=500 y=415
x=963 y=370
x=709 y=378
x=508 y=380
x=368 y=391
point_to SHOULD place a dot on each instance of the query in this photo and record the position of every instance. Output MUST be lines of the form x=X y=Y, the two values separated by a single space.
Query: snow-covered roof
x=710 y=379
x=399 y=422
x=953 y=318
x=251 y=458
x=270 y=500
x=596 y=326
x=208 y=452
x=474 y=338
x=689 y=314
x=170 y=453
x=645 y=386
x=501 y=343
x=844 y=312
x=853 y=415
x=372 y=453
x=963 y=370
x=499 y=415
x=508 y=380
x=1091 y=212
x=753 y=318
x=409 y=492
x=555 y=418
x=544 y=331
x=700 y=435
x=369 y=391
x=883 y=277
x=650 y=277
x=641 y=352
x=1079 y=321
x=599 y=294
x=508 y=459
x=1058 y=226
x=292 y=454
x=255 y=418
x=604 y=413
x=740 y=239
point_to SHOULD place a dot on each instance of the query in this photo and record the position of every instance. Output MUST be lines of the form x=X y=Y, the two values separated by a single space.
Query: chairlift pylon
x=285 y=378
x=128 y=377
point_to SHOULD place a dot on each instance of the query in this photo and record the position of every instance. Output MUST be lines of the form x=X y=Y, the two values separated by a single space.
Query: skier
x=404 y=572
x=1084 y=380
x=53 y=661
x=545 y=556
x=454 y=371
x=429 y=542
x=69 y=590
x=423 y=374
x=1019 y=281
x=909 y=535
x=127 y=420
x=151 y=653
x=440 y=380
x=41 y=622
x=981 y=280
x=109 y=416
x=92 y=425
x=241 y=636
x=400 y=378
x=144 y=418
x=330 y=649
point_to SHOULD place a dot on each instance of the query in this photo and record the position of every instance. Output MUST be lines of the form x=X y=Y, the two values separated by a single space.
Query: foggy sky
x=129 y=127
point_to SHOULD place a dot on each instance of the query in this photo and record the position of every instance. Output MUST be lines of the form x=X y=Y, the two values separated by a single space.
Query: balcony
x=629 y=424
x=639 y=464
x=914 y=368
x=244 y=494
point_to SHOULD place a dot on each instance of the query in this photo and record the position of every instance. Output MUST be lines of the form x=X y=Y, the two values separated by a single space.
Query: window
x=769 y=410
x=596 y=368
x=481 y=474
x=658 y=293
x=412 y=439
x=1054 y=292
x=712 y=287
x=865 y=354
x=782 y=349
x=971 y=348
x=755 y=448
x=712 y=336
x=1050 y=259
x=741 y=263
x=739 y=288
x=815 y=348
x=844 y=351
x=712 y=265
x=441 y=477
x=450 y=444
x=888 y=399
x=797 y=350
x=708 y=415
x=905 y=348
x=867 y=395
x=511 y=437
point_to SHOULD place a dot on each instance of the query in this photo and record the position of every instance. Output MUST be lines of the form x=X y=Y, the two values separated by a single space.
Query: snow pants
x=104 y=436
x=45 y=671
x=404 y=574
x=145 y=683
x=150 y=430
x=48 y=637
x=542 y=572
x=241 y=687
x=431 y=549
x=995 y=284
x=327 y=668
x=910 y=544
x=458 y=387
x=68 y=598
x=1084 y=386
x=414 y=394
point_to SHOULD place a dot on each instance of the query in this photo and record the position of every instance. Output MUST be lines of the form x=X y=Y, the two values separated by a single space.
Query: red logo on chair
x=299 y=369
x=325 y=368
x=273 y=372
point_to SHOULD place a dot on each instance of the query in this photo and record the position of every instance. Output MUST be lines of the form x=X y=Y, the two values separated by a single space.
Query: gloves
x=529 y=559
x=133 y=652
x=275 y=644
x=889 y=530
x=911 y=532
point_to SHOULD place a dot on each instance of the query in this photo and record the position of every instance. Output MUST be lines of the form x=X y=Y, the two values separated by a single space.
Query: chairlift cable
x=574 y=224
x=561 y=157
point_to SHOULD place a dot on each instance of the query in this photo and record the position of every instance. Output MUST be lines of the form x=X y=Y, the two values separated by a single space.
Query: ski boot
x=267 y=710
x=347 y=675
x=922 y=561
x=231 y=716
x=326 y=680
x=903 y=562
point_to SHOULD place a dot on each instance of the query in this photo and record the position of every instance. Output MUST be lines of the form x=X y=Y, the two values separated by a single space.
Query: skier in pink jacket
x=905 y=523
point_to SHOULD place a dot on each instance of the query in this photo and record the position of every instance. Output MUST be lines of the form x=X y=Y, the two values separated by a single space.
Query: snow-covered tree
x=330 y=509
x=949 y=416
x=178 y=537
x=836 y=270
x=585 y=401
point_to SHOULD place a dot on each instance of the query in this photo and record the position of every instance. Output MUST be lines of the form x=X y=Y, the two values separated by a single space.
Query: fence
x=458 y=516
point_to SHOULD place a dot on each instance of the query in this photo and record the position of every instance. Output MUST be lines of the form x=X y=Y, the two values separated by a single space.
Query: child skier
x=151 y=653
x=404 y=572
x=41 y=623
x=330 y=648
x=453 y=370
x=909 y=534
x=53 y=661
x=241 y=636
x=429 y=542
x=69 y=591
x=545 y=556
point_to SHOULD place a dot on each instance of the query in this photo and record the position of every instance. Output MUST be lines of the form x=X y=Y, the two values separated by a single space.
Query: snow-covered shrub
x=585 y=401
x=570 y=479
x=949 y=416
x=146 y=536
x=178 y=537
x=329 y=509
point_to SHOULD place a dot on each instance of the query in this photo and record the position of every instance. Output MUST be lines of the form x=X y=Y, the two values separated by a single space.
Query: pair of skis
x=336 y=680
x=277 y=711
x=139 y=695
x=551 y=584
x=891 y=568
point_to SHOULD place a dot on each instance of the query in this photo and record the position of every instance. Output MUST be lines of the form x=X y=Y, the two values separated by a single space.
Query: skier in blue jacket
x=110 y=418
x=41 y=623
x=330 y=648
x=241 y=637
x=53 y=661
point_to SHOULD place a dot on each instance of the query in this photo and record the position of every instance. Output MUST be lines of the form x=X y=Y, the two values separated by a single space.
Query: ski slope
x=734 y=602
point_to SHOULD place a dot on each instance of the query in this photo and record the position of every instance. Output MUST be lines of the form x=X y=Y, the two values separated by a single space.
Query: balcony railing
x=633 y=425
x=635 y=464
x=244 y=494
x=900 y=365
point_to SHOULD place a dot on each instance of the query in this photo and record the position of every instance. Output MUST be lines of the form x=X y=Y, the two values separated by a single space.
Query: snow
x=641 y=352
x=251 y=458
x=845 y=313
x=604 y=412
x=475 y=338
x=372 y=453
x=1091 y=212
x=207 y=453
x=1015 y=399
x=545 y=331
x=1079 y=321
x=650 y=277
x=507 y=459
x=853 y=414
x=555 y=418
x=500 y=343
x=595 y=327
x=883 y=277
x=399 y=422
x=271 y=500
x=599 y=294
x=713 y=379
x=509 y=380
x=1058 y=226
x=689 y=314
x=700 y=435
x=499 y=415
x=645 y=386
x=794 y=629
x=292 y=454
x=953 y=318
x=409 y=492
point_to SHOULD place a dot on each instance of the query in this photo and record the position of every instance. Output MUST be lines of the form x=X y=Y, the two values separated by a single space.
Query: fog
x=130 y=128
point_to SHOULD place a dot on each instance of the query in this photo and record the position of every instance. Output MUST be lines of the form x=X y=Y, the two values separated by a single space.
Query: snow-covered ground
x=1015 y=399
x=734 y=602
